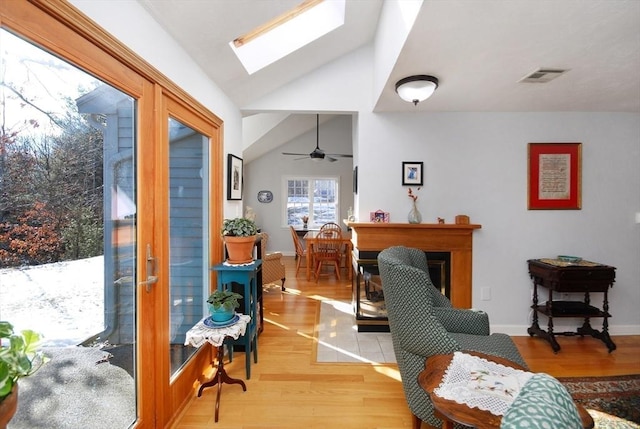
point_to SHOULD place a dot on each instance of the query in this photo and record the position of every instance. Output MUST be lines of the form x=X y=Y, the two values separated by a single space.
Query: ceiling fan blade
x=295 y=154
x=330 y=159
x=339 y=155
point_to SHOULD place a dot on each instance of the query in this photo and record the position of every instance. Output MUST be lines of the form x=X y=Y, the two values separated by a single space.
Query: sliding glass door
x=68 y=237
x=107 y=182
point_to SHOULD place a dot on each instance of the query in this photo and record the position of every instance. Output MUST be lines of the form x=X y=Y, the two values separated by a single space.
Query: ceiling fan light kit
x=415 y=89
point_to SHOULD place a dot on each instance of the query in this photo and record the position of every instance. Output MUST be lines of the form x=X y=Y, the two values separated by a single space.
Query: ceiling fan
x=318 y=154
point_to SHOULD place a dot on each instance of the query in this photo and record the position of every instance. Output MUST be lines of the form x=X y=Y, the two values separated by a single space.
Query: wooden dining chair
x=301 y=252
x=328 y=250
x=331 y=226
x=335 y=227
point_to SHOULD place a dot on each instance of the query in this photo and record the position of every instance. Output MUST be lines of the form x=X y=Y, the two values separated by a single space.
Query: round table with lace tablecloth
x=466 y=411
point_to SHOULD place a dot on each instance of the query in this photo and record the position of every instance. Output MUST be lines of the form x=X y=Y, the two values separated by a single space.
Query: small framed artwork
x=234 y=177
x=379 y=216
x=412 y=173
x=355 y=179
x=554 y=176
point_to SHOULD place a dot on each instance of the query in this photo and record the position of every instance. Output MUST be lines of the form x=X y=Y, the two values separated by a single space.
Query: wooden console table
x=584 y=277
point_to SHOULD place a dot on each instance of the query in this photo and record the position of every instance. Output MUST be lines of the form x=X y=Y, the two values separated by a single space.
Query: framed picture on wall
x=412 y=173
x=355 y=179
x=554 y=176
x=234 y=177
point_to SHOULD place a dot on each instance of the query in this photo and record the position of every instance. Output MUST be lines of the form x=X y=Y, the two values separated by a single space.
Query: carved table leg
x=219 y=378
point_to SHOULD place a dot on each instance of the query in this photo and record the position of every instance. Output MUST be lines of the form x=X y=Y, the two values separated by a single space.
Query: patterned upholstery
x=272 y=265
x=423 y=323
x=542 y=403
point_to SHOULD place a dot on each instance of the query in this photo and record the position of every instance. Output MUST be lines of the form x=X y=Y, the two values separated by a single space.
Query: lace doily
x=201 y=333
x=228 y=264
x=479 y=383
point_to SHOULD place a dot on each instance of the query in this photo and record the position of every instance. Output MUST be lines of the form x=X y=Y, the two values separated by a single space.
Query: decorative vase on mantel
x=414 y=214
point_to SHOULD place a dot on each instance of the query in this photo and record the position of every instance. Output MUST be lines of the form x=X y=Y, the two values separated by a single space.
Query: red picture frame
x=555 y=176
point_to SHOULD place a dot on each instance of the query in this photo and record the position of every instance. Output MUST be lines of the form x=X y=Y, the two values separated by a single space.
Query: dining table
x=311 y=239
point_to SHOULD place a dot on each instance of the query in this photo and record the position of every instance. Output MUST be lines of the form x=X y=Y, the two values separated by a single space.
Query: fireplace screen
x=368 y=295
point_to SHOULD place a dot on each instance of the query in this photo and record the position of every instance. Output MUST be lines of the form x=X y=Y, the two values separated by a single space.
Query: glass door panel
x=188 y=228
x=68 y=237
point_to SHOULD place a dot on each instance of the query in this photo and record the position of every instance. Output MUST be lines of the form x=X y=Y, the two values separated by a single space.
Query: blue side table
x=244 y=275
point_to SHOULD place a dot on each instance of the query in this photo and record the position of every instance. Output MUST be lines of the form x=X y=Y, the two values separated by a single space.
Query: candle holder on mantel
x=462 y=220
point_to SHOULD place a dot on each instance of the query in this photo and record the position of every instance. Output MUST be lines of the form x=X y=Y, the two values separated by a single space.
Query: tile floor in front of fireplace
x=339 y=339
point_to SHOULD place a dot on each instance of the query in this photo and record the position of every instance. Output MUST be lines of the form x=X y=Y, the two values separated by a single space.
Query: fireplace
x=449 y=254
x=368 y=296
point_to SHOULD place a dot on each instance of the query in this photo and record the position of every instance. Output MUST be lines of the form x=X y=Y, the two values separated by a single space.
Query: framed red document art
x=555 y=174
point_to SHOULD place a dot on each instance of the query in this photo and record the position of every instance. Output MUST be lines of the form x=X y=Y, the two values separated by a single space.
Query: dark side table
x=571 y=277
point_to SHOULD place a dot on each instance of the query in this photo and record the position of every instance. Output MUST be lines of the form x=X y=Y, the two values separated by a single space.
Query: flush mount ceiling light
x=415 y=89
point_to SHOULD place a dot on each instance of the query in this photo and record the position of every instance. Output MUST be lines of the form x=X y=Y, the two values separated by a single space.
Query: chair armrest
x=272 y=256
x=463 y=321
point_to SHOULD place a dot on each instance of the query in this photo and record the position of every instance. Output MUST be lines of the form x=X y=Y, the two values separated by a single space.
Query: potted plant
x=223 y=304
x=239 y=236
x=18 y=358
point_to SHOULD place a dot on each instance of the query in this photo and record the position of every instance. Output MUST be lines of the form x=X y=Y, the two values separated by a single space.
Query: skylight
x=287 y=33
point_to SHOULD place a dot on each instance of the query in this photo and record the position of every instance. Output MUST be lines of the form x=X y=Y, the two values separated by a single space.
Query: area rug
x=615 y=395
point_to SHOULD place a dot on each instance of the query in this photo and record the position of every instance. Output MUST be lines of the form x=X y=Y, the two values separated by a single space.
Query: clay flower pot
x=240 y=249
x=8 y=407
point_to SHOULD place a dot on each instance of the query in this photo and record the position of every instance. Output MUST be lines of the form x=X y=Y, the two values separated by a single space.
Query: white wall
x=476 y=164
x=267 y=172
x=132 y=25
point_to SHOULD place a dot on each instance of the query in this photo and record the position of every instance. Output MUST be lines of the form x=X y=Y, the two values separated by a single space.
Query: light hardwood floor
x=288 y=389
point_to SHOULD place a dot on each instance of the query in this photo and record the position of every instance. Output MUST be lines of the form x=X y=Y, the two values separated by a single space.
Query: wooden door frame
x=60 y=28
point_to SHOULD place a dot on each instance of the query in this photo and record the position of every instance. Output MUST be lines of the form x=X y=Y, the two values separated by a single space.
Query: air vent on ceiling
x=543 y=75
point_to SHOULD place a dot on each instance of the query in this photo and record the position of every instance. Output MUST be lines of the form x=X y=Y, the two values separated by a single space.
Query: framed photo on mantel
x=555 y=176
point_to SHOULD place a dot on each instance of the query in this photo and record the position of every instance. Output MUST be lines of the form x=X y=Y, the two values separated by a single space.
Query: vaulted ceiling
x=478 y=49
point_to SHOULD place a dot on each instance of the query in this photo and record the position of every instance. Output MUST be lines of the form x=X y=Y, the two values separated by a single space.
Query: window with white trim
x=315 y=197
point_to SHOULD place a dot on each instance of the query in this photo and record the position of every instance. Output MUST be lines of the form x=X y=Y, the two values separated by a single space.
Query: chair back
x=331 y=226
x=297 y=243
x=264 y=237
x=328 y=244
x=418 y=258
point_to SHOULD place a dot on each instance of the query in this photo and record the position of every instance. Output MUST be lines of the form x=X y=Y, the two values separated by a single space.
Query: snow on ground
x=63 y=301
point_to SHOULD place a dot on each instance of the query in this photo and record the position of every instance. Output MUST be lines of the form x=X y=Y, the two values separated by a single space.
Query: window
x=315 y=197
x=287 y=33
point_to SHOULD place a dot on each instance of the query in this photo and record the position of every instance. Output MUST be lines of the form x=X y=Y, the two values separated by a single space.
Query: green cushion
x=543 y=403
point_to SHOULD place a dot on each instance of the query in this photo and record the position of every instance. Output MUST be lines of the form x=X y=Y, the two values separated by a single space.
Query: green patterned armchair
x=423 y=323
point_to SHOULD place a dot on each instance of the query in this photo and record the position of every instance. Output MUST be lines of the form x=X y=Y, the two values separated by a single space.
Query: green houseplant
x=18 y=358
x=239 y=235
x=222 y=305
